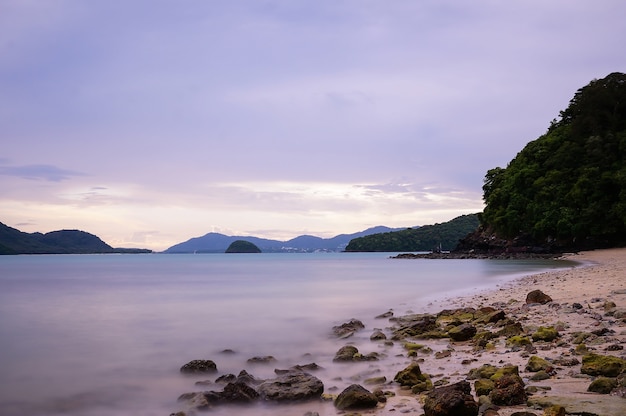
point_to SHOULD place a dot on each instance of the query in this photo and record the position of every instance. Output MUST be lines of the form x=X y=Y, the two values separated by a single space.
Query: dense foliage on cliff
x=429 y=237
x=568 y=187
x=13 y=241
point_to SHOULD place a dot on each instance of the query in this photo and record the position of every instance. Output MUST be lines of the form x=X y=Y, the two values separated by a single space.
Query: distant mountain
x=444 y=236
x=13 y=241
x=218 y=243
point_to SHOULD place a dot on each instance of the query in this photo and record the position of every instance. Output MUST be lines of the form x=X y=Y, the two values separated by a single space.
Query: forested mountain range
x=13 y=241
x=218 y=243
x=443 y=236
x=566 y=189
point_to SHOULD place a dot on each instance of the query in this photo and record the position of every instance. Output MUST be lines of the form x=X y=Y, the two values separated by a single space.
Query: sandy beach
x=588 y=298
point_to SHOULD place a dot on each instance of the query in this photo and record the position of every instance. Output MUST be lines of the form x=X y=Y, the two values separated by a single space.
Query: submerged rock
x=294 y=386
x=348 y=329
x=199 y=366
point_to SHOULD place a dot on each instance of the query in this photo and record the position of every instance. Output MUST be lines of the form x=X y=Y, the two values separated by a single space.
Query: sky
x=149 y=122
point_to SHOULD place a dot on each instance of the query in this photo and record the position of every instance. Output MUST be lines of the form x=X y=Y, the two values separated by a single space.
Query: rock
x=537 y=364
x=484 y=371
x=234 y=393
x=545 y=334
x=505 y=371
x=451 y=400
x=483 y=386
x=267 y=359
x=351 y=353
x=356 y=397
x=589 y=404
x=410 y=376
x=540 y=375
x=346 y=353
x=199 y=366
x=487 y=317
x=226 y=378
x=414 y=325
x=462 y=332
x=303 y=368
x=295 y=386
x=555 y=410
x=195 y=401
x=537 y=296
x=510 y=330
x=378 y=335
x=603 y=385
x=348 y=329
x=602 y=365
x=508 y=391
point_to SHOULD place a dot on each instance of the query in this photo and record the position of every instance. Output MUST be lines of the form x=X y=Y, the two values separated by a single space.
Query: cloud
x=40 y=172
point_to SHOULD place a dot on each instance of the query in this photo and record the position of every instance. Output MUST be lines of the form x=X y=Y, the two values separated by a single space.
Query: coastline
x=598 y=279
x=588 y=303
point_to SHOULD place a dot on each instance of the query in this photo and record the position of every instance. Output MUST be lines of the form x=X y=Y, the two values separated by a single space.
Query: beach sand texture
x=585 y=299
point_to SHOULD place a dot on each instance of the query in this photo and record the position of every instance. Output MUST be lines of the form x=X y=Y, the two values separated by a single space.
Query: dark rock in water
x=451 y=400
x=356 y=397
x=247 y=378
x=508 y=391
x=195 y=401
x=233 y=393
x=226 y=378
x=378 y=335
x=262 y=360
x=199 y=366
x=414 y=325
x=462 y=332
x=348 y=329
x=301 y=368
x=537 y=296
x=295 y=386
x=351 y=353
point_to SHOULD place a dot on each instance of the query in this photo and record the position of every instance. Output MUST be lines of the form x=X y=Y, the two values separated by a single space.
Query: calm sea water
x=96 y=335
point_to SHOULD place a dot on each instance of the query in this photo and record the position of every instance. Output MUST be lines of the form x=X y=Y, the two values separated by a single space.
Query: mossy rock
x=581 y=349
x=505 y=371
x=482 y=338
x=540 y=375
x=484 y=371
x=554 y=410
x=602 y=365
x=580 y=337
x=410 y=376
x=483 y=386
x=602 y=385
x=422 y=386
x=537 y=364
x=518 y=341
x=545 y=334
x=463 y=332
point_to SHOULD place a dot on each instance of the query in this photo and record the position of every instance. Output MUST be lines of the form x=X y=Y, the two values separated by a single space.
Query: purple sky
x=150 y=122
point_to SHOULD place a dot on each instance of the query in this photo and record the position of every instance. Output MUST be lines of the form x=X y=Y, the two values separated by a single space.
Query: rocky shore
x=547 y=344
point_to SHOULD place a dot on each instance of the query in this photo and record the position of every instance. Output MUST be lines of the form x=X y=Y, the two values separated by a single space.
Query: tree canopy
x=569 y=185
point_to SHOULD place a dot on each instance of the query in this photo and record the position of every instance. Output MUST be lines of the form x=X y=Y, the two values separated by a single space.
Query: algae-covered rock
x=355 y=397
x=484 y=371
x=410 y=376
x=483 y=386
x=346 y=353
x=554 y=410
x=602 y=365
x=602 y=385
x=518 y=341
x=545 y=334
x=506 y=370
x=537 y=364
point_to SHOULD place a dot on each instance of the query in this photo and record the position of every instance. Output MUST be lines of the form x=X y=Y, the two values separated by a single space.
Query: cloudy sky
x=149 y=122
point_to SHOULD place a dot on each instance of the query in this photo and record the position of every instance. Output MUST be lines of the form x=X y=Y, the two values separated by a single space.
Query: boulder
x=508 y=391
x=537 y=296
x=266 y=359
x=483 y=386
x=603 y=385
x=451 y=400
x=537 y=364
x=410 y=376
x=602 y=365
x=294 y=386
x=237 y=392
x=356 y=397
x=346 y=353
x=199 y=366
x=348 y=329
x=378 y=335
x=545 y=334
x=462 y=332
x=414 y=325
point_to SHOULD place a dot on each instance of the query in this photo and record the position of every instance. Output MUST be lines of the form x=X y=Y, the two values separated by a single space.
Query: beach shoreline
x=584 y=298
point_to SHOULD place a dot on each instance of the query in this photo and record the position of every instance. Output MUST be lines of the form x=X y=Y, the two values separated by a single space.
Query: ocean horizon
x=96 y=335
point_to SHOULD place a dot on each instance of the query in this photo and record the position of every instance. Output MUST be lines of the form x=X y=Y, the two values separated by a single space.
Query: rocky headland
x=547 y=344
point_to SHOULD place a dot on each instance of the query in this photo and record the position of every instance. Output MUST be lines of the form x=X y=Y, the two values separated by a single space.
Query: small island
x=242 y=246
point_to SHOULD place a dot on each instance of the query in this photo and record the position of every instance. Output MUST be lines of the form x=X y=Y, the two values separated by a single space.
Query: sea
x=96 y=335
